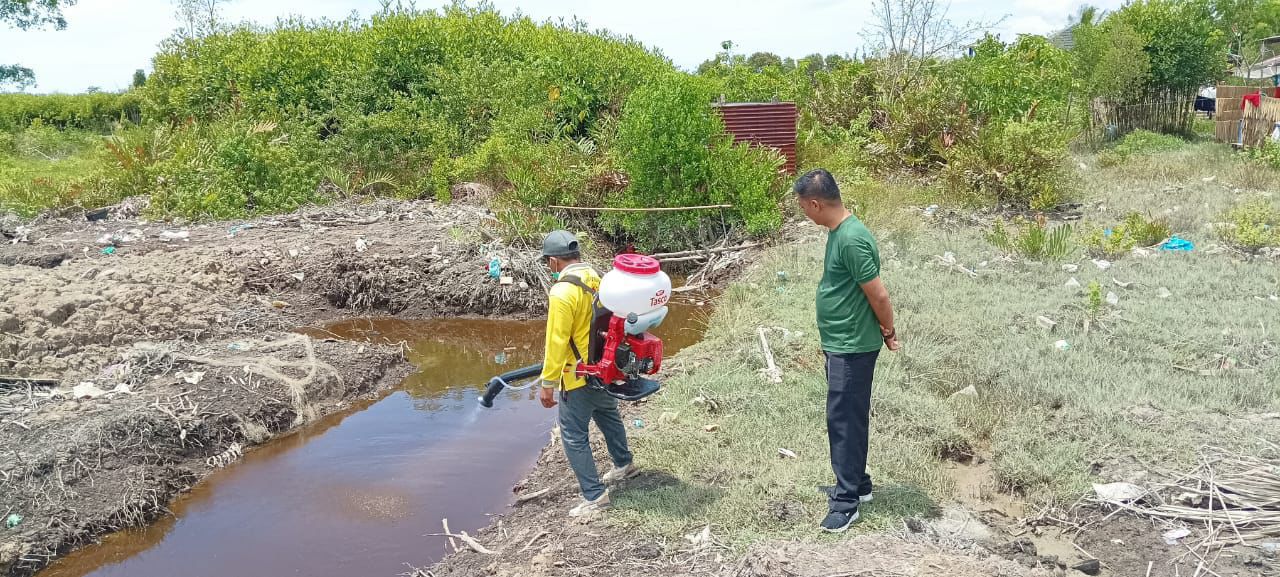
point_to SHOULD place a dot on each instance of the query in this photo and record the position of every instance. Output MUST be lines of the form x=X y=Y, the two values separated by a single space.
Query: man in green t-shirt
x=855 y=320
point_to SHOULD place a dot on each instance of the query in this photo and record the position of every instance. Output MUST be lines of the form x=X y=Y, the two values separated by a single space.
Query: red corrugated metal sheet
x=763 y=124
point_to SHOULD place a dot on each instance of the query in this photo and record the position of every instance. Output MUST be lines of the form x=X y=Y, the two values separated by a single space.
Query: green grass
x=43 y=168
x=1117 y=398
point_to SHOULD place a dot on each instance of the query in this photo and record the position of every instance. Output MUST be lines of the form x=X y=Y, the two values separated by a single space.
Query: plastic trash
x=13 y=520
x=361 y=244
x=495 y=268
x=782 y=276
x=172 y=235
x=931 y=210
x=1172 y=537
x=238 y=346
x=1175 y=244
x=109 y=250
x=500 y=358
x=1113 y=299
x=1062 y=346
x=638 y=423
x=239 y=228
x=1119 y=492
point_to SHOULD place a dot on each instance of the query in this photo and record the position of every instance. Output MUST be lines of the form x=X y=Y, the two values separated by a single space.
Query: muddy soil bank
x=136 y=357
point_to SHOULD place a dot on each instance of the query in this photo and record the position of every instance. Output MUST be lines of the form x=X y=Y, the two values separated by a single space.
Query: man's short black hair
x=573 y=256
x=818 y=184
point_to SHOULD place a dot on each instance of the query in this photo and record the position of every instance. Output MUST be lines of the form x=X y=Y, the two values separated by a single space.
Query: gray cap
x=559 y=243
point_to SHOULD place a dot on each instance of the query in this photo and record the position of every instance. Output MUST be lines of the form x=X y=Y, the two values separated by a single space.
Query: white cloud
x=107 y=39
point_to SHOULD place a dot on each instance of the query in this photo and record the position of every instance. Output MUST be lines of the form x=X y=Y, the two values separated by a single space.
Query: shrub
x=1019 y=164
x=673 y=148
x=1252 y=225
x=1146 y=142
x=97 y=111
x=1134 y=231
x=1033 y=239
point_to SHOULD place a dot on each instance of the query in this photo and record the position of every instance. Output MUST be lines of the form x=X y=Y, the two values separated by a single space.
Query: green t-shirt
x=846 y=322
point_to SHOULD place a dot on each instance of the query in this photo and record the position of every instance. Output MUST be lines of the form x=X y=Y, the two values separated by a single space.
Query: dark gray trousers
x=848 y=420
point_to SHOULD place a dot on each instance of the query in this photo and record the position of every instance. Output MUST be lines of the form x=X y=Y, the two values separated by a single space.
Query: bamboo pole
x=654 y=209
x=703 y=252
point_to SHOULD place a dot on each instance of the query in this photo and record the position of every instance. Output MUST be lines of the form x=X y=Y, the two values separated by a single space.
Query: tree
x=27 y=14
x=198 y=17
x=1111 y=60
x=139 y=78
x=1185 y=48
x=918 y=29
x=1245 y=23
x=761 y=60
x=17 y=76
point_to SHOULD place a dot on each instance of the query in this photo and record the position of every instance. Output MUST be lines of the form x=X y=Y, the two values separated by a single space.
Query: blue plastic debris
x=1177 y=244
x=500 y=358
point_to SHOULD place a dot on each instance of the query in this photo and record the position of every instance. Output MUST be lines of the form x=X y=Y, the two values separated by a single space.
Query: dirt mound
x=875 y=555
x=161 y=352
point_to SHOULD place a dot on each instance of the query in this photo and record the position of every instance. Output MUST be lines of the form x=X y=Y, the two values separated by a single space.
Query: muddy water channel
x=355 y=493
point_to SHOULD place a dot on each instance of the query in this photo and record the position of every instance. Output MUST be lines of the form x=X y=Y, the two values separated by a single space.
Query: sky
x=106 y=40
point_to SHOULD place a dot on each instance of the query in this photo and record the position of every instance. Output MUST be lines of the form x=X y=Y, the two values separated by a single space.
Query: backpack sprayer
x=632 y=300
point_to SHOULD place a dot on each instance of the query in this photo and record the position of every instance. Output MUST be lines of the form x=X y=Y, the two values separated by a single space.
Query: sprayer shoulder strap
x=595 y=296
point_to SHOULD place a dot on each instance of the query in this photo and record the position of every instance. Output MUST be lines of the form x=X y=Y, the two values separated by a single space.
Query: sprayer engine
x=629 y=351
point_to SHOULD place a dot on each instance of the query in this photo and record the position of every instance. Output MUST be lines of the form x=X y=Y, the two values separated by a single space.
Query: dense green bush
x=96 y=111
x=1019 y=164
x=1252 y=225
x=1146 y=142
x=1133 y=232
x=1029 y=78
x=675 y=150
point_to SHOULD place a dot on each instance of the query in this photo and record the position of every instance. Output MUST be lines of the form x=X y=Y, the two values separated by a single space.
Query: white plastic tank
x=636 y=285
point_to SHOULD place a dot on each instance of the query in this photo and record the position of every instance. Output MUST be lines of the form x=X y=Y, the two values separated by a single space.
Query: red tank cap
x=636 y=264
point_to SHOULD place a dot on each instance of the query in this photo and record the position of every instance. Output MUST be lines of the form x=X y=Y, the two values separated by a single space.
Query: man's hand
x=890 y=338
x=548 y=396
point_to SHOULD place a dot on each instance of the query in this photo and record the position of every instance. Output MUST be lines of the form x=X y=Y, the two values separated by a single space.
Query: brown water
x=355 y=493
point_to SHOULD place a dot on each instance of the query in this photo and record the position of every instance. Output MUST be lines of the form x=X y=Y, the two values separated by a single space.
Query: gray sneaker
x=588 y=507
x=837 y=522
x=620 y=474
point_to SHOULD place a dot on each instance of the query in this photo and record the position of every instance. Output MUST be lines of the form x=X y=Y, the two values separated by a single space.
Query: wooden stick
x=452 y=543
x=465 y=538
x=696 y=252
x=8 y=380
x=771 y=370
x=535 y=538
x=682 y=259
x=654 y=209
x=522 y=499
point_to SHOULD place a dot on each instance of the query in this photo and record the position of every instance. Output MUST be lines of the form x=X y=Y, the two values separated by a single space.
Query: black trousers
x=848 y=418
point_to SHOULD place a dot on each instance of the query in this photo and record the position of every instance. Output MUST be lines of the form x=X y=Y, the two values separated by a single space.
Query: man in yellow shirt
x=569 y=315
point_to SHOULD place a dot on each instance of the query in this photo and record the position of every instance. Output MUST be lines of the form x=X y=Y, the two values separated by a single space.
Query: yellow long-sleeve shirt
x=568 y=316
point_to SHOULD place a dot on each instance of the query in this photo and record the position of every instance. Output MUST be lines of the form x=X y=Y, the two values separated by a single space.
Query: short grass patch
x=1184 y=356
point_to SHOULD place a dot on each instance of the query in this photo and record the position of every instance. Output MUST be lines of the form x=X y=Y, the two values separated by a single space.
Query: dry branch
x=703 y=252
x=469 y=540
x=522 y=499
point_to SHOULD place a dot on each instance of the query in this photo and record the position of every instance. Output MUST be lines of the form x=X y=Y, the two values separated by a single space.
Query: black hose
x=500 y=382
